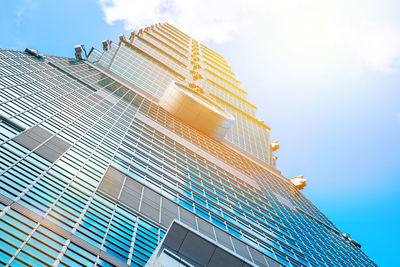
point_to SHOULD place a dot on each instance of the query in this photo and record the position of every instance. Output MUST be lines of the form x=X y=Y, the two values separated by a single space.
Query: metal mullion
x=36 y=82
x=23 y=243
x=52 y=99
x=60 y=111
x=94 y=191
x=96 y=227
x=39 y=177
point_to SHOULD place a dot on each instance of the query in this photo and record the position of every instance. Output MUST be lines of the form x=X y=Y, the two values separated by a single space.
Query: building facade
x=147 y=153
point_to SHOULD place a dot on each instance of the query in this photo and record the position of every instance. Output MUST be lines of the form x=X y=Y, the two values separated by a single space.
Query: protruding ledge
x=351 y=240
x=197 y=109
x=299 y=182
x=185 y=247
x=275 y=146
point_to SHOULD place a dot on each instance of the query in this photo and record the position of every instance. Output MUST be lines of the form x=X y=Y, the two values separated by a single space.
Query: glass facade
x=93 y=171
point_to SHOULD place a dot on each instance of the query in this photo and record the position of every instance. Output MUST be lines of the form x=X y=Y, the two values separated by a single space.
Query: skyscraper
x=147 y=152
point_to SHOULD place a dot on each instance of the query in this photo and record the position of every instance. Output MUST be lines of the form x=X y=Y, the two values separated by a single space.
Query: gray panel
x=257 y=256
x=175 y=237
x=53 y=149
x=150 y=204
x=112 y=182
x=27 y=212
x=223 y=238
x=150 y=211
x=56 y=228
x=206 y=228
x=187 y=218
x=85 y=245
x=38 y=133
x=272 y=263
x=50 y=150
x=197 y=249
x=114 y=172
x=169 y=212
x=241 y=248
x=32 y=137
x=112 y=259
x=151 y=197
x=47 y=153
x=223 y=258
x=131 y=193
x=57 y=144
x=5 y=200
x=26 y=141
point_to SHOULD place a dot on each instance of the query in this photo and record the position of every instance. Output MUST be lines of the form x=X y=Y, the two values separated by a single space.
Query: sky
x=323 y=74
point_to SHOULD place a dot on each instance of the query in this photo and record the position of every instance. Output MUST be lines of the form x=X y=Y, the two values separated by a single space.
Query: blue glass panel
x=203 y=213
x=218 y=222
x=117 y=255
x=234 y=231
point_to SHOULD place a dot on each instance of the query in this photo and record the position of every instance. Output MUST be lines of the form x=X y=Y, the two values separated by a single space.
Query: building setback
x=147 y=152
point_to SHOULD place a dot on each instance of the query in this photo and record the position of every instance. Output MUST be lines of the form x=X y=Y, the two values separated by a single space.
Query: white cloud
x=362 y=36
x=376 y=45
x=28 y=6
x=205 y=20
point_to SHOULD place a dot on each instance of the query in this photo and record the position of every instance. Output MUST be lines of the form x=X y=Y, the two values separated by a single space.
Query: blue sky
x=325 y=76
